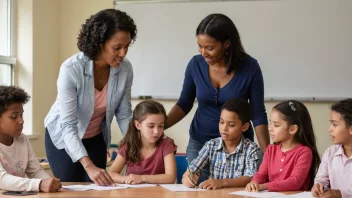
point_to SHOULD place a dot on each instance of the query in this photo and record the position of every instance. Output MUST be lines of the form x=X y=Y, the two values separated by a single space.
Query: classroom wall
x=61 y=43
x=46 y=61
x=37 y=51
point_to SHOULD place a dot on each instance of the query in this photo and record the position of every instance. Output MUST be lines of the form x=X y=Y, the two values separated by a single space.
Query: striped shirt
x=242 y=162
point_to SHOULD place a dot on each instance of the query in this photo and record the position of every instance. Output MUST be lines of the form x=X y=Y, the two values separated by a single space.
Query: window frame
x=11 y=45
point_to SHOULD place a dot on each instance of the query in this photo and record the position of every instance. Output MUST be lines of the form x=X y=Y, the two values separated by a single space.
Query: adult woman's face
x=212 y=50
x=115 y=49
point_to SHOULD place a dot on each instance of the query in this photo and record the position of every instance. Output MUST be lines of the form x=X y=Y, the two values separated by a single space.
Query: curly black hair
x=101 y=27
x=239 y=106
x=10 y=95
x=344 y=108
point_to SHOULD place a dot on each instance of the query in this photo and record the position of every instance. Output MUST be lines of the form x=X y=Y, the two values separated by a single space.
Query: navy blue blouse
x=246 y=83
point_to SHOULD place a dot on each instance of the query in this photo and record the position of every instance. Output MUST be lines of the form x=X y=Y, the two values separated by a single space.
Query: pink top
x=18 y=161
x=285 y=171
x=94 y=127
x=336 y=169
x=154 y=164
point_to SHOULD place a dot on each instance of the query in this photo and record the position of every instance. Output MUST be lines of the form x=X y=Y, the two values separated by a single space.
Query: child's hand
x=189 y=180
x=330 y=193
x=211 y=184
x=317 y=190
x=50 y=185
x=252 y=187
x=134 y=179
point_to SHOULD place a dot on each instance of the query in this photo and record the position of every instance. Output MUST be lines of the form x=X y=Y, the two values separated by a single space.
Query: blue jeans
x=62 y=166
x=192 y=151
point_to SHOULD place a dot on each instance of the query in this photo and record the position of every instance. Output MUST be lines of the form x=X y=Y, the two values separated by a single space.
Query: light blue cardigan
x=72 y=111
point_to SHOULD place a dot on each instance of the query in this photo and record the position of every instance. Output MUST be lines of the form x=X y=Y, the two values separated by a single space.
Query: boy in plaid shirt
x=232 y=158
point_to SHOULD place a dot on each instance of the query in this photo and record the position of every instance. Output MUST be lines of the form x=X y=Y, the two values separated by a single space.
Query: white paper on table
x=96 y=187
x=302 y=195
x=76 y=187
x=92 y=187
x=257 y=194
x=137 y=185
x=179 y=188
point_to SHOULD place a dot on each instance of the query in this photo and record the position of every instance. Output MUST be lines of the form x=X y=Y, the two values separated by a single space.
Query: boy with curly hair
x=17 y=158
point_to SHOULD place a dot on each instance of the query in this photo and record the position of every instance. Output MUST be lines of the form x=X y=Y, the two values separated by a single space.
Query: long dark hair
x=296 y=113
x=132 y=139
x=221 y=28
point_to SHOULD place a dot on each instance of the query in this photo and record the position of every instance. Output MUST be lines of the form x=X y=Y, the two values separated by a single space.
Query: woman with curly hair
x=93 y=86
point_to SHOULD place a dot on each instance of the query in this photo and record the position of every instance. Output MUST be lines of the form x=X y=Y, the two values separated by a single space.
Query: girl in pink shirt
x=291 y=162
x=148 y=154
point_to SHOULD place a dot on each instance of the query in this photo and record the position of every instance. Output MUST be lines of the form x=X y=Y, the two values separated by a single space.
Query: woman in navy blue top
x=221 y=72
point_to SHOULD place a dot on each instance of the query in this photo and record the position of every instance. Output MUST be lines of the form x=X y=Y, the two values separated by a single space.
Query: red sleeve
x=122 y=150
x=298 y=174
x=168 y=146
x=261 y=176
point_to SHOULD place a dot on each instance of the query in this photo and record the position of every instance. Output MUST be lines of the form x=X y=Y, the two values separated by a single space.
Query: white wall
x=56 y=26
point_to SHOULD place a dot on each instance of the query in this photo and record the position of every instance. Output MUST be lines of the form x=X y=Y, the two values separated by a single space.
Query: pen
x=189 y=169
x=325 y=188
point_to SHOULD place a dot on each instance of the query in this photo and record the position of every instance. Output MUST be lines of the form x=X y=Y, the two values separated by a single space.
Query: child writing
x=291 y=162
x=233 y=159
x=147 y=152
x=16 y=154
x=334 y=177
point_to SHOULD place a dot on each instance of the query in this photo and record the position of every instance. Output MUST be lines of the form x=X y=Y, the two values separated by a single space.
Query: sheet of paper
x=179 y=188
x=137 y=185
x=303 y=195
x=257 y=194
x=96 y=187
x=92 y=187
x=76 y=187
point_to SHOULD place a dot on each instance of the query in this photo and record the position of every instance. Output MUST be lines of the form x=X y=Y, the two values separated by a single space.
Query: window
x=7 y=61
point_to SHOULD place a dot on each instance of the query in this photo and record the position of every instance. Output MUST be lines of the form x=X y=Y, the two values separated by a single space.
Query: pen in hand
x=190 y=172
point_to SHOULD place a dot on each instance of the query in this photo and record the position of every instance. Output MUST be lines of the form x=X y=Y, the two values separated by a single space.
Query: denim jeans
x=62 y=166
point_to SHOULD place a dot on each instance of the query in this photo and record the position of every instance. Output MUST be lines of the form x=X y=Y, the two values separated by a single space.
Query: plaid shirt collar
x=239 y=148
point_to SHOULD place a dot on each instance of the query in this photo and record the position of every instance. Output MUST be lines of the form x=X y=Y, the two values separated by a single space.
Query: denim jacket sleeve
x=124 y=111
x=67 y=96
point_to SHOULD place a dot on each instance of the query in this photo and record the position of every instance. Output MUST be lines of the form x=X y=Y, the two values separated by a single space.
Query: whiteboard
x=304 y=47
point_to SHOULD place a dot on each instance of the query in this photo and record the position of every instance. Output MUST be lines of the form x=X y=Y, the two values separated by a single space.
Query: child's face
x=339 y=132
x=11 y=121
x=278 y=128
x=152 y=127
x=230 y=126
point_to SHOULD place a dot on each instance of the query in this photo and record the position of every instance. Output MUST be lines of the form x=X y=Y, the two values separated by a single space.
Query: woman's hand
x=99 y=176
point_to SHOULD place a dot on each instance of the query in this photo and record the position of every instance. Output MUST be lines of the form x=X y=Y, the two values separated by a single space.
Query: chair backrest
x=181 y=165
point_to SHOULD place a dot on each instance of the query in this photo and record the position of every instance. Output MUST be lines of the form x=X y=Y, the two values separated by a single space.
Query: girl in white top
x=17 y=158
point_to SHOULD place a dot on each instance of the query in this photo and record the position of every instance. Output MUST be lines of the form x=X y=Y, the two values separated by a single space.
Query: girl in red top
x=291 y=162
x=147 y=152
